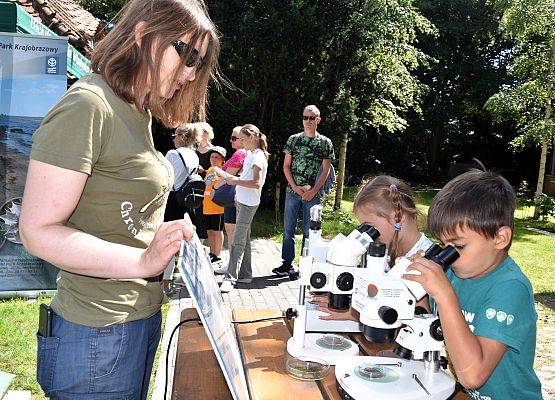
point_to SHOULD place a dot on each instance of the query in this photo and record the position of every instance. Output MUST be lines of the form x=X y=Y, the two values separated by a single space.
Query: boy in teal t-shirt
x=485 y=302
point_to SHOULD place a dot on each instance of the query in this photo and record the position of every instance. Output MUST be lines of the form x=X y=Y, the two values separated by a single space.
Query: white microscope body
x=319 y=271
x=329 y=267
x=386 y=302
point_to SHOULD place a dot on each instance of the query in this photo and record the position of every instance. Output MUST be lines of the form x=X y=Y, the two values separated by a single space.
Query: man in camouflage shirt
x=305 y=153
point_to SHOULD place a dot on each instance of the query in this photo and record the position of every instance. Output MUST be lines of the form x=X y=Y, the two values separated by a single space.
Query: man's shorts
x=214 y=222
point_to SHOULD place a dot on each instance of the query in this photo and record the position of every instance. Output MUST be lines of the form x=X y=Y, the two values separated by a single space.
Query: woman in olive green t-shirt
x=95 y=195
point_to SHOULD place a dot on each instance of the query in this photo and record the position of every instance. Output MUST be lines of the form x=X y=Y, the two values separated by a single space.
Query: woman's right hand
x=166 y=243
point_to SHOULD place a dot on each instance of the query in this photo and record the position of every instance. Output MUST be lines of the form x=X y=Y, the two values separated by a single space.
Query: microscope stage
x=327 y=347
x=366 y=377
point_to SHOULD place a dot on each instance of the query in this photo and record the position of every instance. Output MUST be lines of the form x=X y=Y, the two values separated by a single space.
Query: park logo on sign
x=52 y=63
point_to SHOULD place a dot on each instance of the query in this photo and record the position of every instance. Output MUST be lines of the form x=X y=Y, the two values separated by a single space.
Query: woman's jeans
x=293 y=205
x=108 y=363
x=240 y=256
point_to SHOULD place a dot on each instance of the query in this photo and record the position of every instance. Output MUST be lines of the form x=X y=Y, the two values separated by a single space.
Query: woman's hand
x=166 y=243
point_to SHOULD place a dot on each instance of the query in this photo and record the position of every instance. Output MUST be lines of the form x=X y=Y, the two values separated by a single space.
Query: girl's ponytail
x=263 y=144
x=395 y=197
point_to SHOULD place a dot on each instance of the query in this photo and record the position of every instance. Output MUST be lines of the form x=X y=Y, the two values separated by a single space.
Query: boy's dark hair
x=481 y=201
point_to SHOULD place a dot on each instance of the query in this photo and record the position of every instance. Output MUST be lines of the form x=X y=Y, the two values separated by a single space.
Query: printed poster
x=195 y=268
x=32 y=79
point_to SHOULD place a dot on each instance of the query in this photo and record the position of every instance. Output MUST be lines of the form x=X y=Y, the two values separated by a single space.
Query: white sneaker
x=244 y=280
x=220 y=271
x=227 y=286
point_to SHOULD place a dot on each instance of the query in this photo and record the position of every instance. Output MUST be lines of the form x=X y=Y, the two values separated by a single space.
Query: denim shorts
x=108 y=363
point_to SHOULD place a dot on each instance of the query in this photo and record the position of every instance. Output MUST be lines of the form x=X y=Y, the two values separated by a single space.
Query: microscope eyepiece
x=376 y=249
x=373 y=233
x=363 y=228
x=446 y=257
x=433 y=251
x=369 y=230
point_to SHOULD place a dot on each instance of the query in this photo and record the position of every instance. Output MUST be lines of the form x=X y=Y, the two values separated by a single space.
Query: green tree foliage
x=470 y=57
x=470 y=68
x=528 y=100
x=106 y=10
x=354 y=59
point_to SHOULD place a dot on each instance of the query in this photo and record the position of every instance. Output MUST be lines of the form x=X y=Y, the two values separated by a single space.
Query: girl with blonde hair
x=388 y=204
x=247 y=199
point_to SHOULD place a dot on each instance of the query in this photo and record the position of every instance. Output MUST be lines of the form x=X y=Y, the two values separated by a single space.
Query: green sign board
x=15 y=19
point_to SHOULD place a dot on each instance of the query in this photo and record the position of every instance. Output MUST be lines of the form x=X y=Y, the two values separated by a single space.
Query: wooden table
x=198 y=375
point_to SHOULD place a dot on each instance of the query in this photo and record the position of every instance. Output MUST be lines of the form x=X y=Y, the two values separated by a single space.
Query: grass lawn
x=531 y=250
x=18 y=346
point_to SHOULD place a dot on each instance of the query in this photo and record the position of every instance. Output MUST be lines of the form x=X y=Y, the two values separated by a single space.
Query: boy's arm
x=474 y=358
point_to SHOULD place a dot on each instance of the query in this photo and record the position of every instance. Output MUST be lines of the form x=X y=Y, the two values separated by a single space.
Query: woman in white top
x=184 y=161
x=247 y=198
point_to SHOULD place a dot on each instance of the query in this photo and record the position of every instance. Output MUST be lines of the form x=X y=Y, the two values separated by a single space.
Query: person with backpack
x=306 y=154
x=184 y=161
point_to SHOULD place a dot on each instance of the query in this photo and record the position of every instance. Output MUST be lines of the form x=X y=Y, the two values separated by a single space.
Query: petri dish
x=307 y=368
x=331 y=341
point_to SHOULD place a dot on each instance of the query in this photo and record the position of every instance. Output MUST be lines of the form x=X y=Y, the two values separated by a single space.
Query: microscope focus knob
x=435 y=330
x=345 y=281
x=388 y=315
x=318 y=280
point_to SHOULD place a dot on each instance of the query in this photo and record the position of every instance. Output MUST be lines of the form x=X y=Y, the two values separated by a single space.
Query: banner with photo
x=32 y=79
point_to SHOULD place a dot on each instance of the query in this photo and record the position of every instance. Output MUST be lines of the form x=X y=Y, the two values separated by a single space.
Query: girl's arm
x=51 y=195
x=474 y=357
x=254 y=183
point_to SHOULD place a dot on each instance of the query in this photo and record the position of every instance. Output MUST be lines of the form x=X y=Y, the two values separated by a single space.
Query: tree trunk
x=341 y=170
x=546 y=136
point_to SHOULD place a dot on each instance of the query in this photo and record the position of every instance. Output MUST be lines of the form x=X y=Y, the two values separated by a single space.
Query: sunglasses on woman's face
x=183 y=48
x=309 y=117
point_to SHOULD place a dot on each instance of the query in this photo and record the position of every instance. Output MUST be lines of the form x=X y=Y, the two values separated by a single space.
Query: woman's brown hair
x=385 y=195
x=129 y=67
